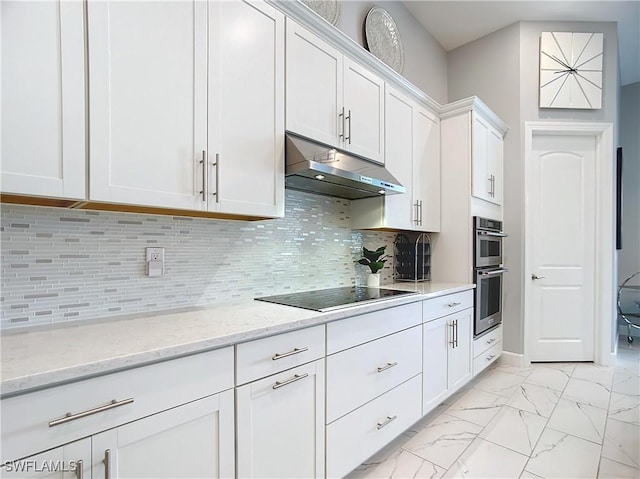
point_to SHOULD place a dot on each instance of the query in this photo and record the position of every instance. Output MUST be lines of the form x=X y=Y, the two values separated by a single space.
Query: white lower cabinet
x=169 y=419
x=446 y=357
x=356 y=436
x=280 y=424
x=191 y=441
x=486 y=349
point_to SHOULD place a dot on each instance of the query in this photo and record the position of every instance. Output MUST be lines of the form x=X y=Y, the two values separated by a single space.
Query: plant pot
x=373 y=280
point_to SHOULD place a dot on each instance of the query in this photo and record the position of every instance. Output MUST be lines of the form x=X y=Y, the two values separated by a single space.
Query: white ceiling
x=454 y=23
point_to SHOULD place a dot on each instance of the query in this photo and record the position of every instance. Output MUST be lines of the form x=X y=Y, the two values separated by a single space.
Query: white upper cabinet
x=43 y=139
x=314 y=86
x=330 y=98
x=363 y=112
x=426 y=169
x=246 y=109
x=412 y=155
x=180 y=118
x=487 y=144
x=148 y=102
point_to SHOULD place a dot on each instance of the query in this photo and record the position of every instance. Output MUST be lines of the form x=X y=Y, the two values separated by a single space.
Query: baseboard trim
x=512 y=359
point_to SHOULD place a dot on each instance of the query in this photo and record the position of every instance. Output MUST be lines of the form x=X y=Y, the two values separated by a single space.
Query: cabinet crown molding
x=473 y=103
x=302 y=14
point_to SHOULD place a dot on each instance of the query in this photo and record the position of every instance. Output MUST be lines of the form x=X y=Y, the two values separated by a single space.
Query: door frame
x=604 y=278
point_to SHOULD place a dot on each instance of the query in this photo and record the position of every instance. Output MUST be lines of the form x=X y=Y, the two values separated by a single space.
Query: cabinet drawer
x=26 y=418
x=356 y=436
x=443 y=305
x=263 y=357
x=371 y=369
x=486 y=341
x=484 y=359
x=350 y=332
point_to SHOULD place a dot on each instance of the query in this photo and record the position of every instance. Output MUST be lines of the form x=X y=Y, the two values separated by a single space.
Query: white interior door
x=562 y=247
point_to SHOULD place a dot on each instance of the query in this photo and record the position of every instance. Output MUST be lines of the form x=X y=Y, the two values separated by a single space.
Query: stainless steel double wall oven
x=487 y=263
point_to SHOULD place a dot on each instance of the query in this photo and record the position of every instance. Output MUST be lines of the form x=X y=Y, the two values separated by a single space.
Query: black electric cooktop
x=334 y=298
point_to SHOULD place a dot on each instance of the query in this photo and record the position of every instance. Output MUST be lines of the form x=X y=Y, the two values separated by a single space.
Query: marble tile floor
x=552 y=420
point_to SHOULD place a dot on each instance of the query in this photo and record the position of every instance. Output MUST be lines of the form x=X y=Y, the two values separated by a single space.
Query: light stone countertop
x=42 y=358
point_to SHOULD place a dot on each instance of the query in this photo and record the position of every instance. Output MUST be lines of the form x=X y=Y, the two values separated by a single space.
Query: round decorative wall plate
x=327 y=9
x=383 y=38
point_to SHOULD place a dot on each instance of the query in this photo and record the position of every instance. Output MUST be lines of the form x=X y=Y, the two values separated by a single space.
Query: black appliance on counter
x=488 y=270
x=324 y=300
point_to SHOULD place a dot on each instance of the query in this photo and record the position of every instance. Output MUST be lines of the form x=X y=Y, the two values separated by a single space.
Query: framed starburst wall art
x=571 y=70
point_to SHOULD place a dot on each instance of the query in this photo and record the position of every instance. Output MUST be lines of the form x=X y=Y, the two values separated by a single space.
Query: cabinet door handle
x=453 y=305
x=387 y=366
x=203 y=162
x=420 y=212
x=348 y=117
x=341 y=116
x=296 y=377
x=491 y=357
x=107 y=463
x=71 y=417
x=491 y=340
x=456 y=336
x=289 y=353
x=79 y=469
x=453 y=335
x=386 y=422
x=217 y=165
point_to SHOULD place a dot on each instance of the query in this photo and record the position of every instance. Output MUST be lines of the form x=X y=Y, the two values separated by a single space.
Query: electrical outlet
x=155 y=261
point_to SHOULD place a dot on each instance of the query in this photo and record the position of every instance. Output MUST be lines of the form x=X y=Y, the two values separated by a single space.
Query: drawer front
x=443 y=305
x=486 y=341
x=350 y=332
x=356 y=436
x=263 y=357
x=489 y=356
x=153 y=388
x=371 y=369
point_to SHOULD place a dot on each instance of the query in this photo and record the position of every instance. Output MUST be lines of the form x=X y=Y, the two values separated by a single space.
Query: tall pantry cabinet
x=471 y=168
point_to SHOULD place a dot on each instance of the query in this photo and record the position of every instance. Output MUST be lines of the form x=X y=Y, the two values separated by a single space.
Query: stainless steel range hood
x=325 y=170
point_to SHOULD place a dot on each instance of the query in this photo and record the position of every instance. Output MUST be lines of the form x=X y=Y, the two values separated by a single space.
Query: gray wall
x=502 y=69
x=629 y=255
x=425 y=62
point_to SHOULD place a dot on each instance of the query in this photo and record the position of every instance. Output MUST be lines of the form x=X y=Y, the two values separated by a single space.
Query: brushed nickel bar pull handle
x=420 y=212
x=72 y=417
x=296 y=377
x=453 y=335
x=349 y=118
x=388 y=366
x=79 y=469
x=453 y=305
x=341 y=115
x=417 y=213
x=491 y=357
x=203 y=162
x=107 y=463
x=491 y=340
x=277 y=356
x=389 y=420
x=217 y=165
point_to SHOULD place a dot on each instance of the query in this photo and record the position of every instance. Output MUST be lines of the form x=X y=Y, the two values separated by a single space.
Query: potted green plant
x=375 y=260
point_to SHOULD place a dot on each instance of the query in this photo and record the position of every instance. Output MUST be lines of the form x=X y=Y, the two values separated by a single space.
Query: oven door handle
x=492 y=233
x=492 y=272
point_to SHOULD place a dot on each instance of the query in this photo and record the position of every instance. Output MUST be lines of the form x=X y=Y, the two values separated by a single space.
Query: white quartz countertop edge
x=38 y=359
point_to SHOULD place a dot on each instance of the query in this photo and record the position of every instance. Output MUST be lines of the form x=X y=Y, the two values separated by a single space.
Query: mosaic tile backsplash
x=69 y=265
